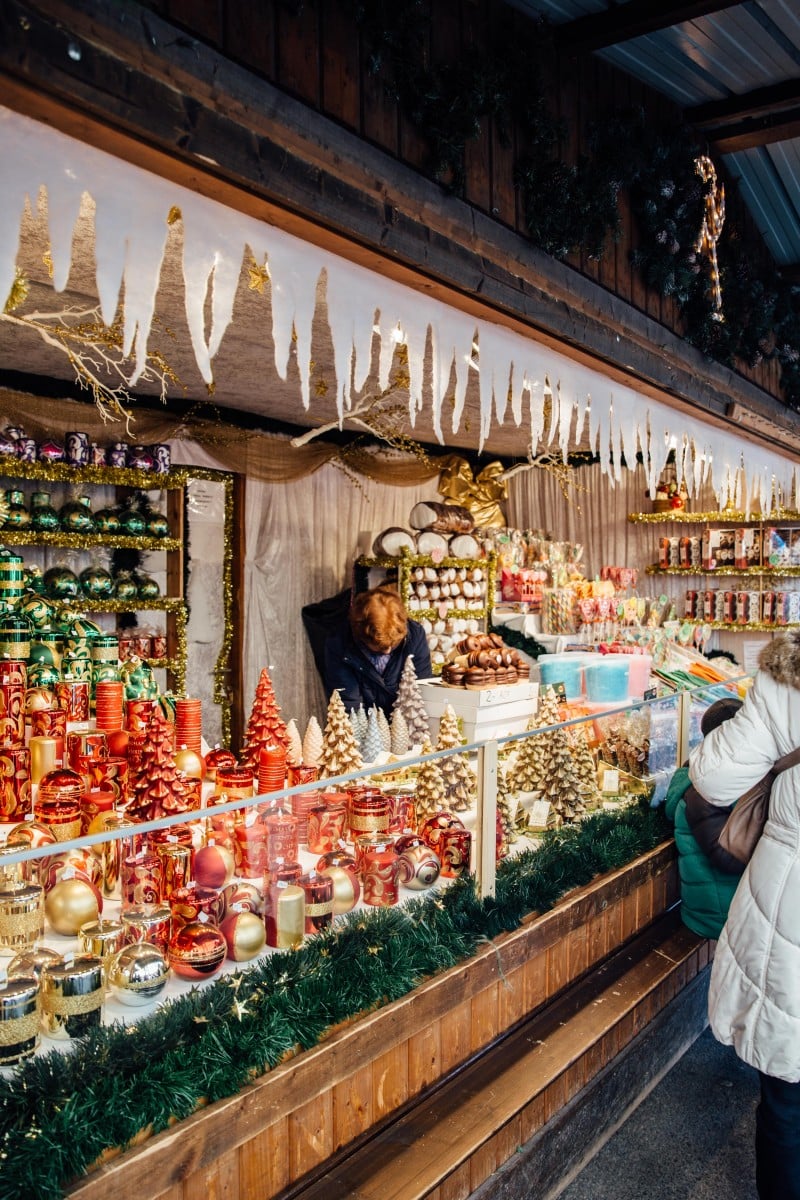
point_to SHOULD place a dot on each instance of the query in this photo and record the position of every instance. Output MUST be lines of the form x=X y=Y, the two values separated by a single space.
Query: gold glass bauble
x=137 y=974
x=70 y=904
x=189 y=762
x=346 y=888
x=244 y=934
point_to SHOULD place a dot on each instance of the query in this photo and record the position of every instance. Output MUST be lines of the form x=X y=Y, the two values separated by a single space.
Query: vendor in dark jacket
x=364 y=660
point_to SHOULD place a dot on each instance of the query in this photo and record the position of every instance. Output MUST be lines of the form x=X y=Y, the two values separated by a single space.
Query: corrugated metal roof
x=717 y=57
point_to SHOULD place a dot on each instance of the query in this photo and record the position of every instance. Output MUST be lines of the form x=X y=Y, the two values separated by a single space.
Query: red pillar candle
x=318 y=891
x=108 y=773
x=13 y=670
x=137 y=714
x=403 y=812
x=191 y=902
x=95 y=801
x=58 y=803
x=300 y=773
x=301 y=806
x=15 y=782
x=280 y=870
x=85 y=744
x=73 y=697
x=271 y=769
x=151 y=923
x=380 y=872
x=326 y=827
x=368 y=812
x=109 y=696
x=188 y=723
x=12 y=714
x=51 y=723
x=282 y=840
x=234 y=782
x=250 y=847
x=141 y=880
x=455 y=848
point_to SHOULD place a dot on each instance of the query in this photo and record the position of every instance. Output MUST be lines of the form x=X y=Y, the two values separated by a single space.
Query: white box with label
x=486 y=712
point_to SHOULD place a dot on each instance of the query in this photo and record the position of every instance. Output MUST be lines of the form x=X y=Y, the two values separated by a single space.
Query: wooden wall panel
x=353 y=1108
x=264 y=1162
x=390 y=1080
x=298 y=53
x=341 y=83
x=310 y=1134
x=457 y=1036
x=425 y=1057
x=202 y=17
x=477 y=157
x=250 y=35
x=217 y=1182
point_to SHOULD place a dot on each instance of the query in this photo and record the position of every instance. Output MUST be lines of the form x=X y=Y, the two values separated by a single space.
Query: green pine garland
x=59 y=1112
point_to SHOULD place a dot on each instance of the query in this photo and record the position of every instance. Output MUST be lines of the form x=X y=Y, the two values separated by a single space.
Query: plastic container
x=639 y=678
x=608 y=679
x=567 y=668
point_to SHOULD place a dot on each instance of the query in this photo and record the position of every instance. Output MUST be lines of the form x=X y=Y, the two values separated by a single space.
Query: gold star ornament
x=258 y=276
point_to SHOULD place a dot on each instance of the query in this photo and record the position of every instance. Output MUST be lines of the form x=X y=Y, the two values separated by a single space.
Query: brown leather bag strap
x=789 y=760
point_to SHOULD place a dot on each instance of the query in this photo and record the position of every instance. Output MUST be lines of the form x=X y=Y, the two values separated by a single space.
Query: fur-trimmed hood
x=781 y=659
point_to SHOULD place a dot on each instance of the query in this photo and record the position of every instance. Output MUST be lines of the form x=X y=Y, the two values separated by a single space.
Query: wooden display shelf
x=710 y=573
x=33 y=537
x=261 y=1142
x=729 y=516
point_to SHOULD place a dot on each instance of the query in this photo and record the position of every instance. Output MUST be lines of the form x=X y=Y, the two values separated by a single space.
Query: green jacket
x=706 y=893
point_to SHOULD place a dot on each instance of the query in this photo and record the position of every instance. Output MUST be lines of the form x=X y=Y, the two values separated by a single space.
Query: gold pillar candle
x=30 y=962
x=43 y=751
x=115 y=850
x=176 y=866
x=151 y=923
x=72 y=996
x=19 y=1017
x=21 y=915
x=102 y=938
x=285 y=915
x=17 y=872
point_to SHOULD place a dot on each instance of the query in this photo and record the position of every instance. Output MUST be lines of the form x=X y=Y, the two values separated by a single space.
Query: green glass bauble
x=76 y=516
x=131 y=522
x=42 y=675
x=39 y=611
x=47 y=648
x=33 y=579
x=125 y=586
x=96 y=583
x=156 y=524
x=61 y=583
x=147 y=588
x=18 y=516
x=81 y=629
x=44 y=517
x=106 y=521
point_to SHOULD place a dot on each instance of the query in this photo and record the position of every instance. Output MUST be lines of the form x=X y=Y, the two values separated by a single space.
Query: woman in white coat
x=754 y=998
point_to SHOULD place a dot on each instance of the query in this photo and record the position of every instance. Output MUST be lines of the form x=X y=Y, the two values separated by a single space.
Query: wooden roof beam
x=595 y=31
x=755 y=131
x=761 y=102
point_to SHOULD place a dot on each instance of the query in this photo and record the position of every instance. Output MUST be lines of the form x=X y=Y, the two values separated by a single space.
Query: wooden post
x=486 y=824
x=684 y=713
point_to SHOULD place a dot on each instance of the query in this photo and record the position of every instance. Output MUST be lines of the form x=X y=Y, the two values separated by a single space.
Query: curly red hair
x=378 y=619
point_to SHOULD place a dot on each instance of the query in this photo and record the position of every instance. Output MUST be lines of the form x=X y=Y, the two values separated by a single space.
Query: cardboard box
x=485 y=713
x=748 y=548
x=719 y=548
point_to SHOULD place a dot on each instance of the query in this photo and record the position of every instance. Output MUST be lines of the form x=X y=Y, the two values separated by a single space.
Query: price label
x=539 y=813
x=610 y=780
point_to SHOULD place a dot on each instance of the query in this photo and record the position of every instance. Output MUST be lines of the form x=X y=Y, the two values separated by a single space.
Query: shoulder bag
x=744 y=826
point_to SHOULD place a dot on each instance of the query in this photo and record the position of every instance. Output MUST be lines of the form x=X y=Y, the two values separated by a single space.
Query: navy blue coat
x=348 y=670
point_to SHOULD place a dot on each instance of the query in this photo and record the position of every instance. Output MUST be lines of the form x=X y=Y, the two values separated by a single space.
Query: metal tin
x=19 y=1017
x=72 y=996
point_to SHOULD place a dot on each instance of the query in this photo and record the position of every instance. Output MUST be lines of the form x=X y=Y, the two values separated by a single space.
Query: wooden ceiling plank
x=748 y=134
x=634 y=19
x=761 y=102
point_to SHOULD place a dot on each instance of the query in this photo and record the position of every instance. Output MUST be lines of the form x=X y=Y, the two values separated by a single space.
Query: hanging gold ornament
x=711 y=229
x=19 y=291
x=258 y=277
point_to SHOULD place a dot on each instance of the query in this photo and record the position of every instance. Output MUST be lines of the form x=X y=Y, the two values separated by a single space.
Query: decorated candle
x=368 y=812
x=176 y=866
x=250 y=846
x=73 y=697
x=12 y=713
x=20 y=1016
x=44 y=756
x=455 y=846
x=318 y=891
x=282 y=840
x=151 y=923
x=380 y=878
x=326 y=827
x=192 y=902
x=21 y=915
x=15 y=782
x=284 y=915
x=58 y=803
x=141 y=880
x=102 y=938
x=72 y=996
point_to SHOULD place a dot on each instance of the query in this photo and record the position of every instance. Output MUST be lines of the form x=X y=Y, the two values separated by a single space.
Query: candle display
x=368 y=812
x=318 y=891
x=250 y=847
x=20 y=1017
x=282 y=839
x=380 y=872
x=15 y=782
x=455 y=848
x=21 y=915
x=326 y=827
x=72 y=996
x=141 y=880
x=193 y=902
x=284 y=915
x=150 y=923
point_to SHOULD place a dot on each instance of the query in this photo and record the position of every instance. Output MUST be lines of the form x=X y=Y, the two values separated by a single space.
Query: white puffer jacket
x=754 y=999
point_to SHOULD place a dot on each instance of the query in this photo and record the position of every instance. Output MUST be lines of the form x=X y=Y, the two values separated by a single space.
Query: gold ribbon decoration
x=482 y=494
